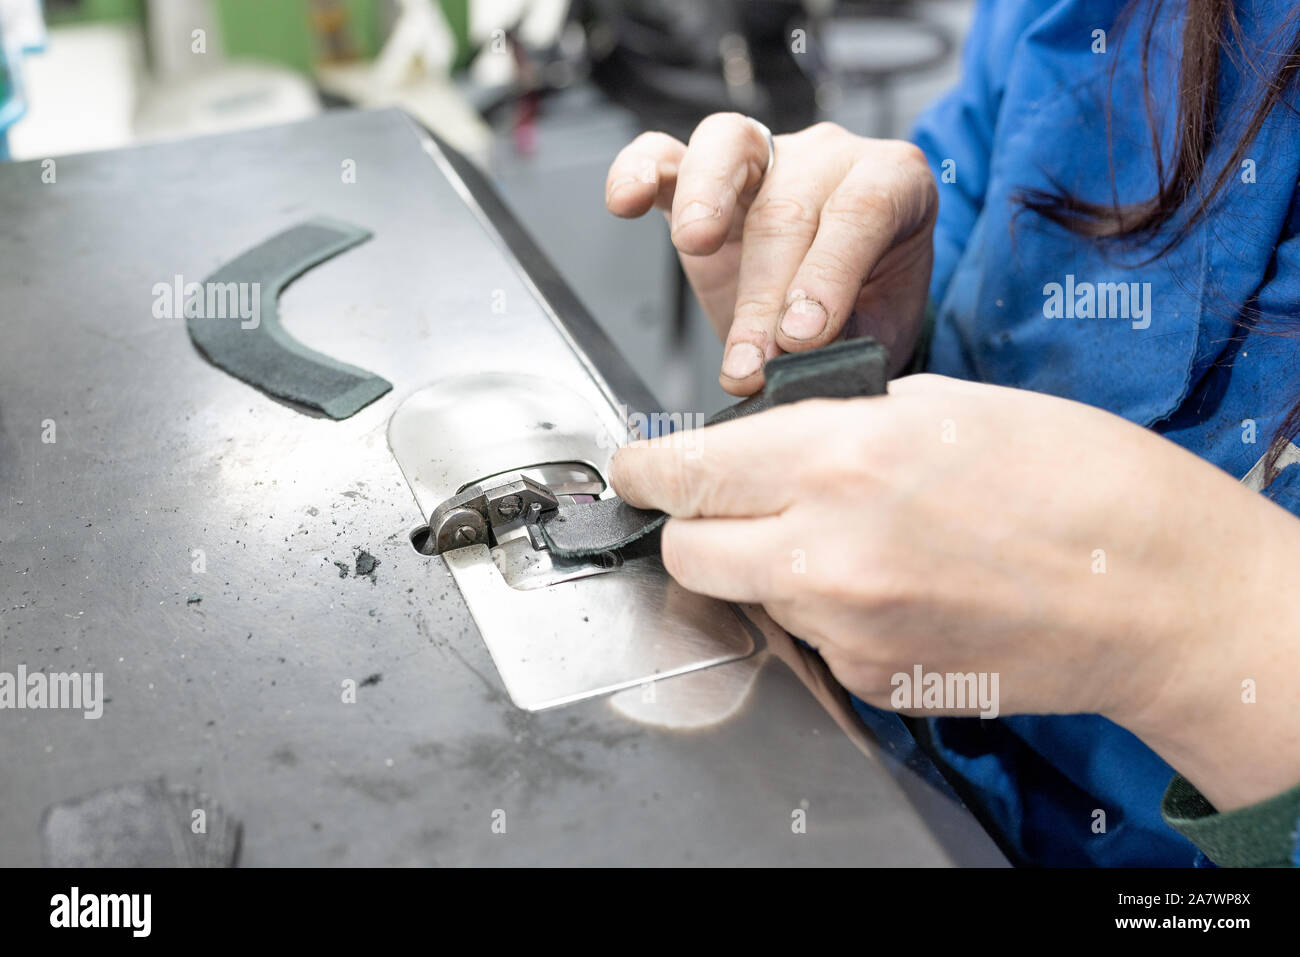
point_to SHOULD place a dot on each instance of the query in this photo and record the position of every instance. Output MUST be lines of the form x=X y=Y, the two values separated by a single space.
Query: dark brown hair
x=1185 y=188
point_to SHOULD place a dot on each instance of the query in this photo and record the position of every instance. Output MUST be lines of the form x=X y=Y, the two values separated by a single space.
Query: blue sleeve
x=957 y=132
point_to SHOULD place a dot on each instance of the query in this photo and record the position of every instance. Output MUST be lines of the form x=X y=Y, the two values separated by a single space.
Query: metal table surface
x=157 y=453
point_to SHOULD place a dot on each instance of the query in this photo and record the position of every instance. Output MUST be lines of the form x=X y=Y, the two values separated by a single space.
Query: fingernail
x=804 y=319
x=694 y=212
x=647 y=172
x=618 y=184
x=742 y=361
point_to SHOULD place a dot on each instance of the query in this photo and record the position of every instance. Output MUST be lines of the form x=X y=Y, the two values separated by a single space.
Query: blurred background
x=540 y=93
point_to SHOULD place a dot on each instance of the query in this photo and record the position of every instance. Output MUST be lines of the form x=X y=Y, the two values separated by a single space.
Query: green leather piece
x=265 y=355
x=843 y=370
x=1260 y=835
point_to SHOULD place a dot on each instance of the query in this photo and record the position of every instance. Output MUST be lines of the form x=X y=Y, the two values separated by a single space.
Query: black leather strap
x=843 y=370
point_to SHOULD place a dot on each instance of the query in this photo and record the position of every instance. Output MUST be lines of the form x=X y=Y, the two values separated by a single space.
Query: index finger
x=643 y=175
x=724 y=162
x=734 y=469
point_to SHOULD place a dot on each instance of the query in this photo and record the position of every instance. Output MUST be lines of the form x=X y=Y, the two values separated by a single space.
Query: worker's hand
x=840 y=229
x=966 y=528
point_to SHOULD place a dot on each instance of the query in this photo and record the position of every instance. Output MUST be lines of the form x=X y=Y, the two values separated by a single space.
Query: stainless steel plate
x=557 y=632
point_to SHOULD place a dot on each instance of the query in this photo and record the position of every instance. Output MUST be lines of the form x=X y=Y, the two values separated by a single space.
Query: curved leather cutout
x=260 y=352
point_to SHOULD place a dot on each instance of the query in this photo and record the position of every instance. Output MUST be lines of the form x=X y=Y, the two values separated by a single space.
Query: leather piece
x=266 y=356
x=604 y=525
x=843 y=370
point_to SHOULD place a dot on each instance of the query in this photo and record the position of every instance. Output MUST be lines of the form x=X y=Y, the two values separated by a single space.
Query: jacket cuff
x=1260 y=835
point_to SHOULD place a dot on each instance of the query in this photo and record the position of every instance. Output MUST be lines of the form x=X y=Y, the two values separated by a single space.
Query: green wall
x=274 y=29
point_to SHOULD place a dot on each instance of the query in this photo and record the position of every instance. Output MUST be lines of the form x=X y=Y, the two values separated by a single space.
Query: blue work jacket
x=1024 y=302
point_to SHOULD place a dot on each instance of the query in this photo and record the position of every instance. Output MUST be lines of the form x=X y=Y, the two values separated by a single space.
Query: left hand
x=1093 y=565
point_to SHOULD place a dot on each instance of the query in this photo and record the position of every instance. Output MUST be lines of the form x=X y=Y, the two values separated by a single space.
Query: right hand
x=841 y=229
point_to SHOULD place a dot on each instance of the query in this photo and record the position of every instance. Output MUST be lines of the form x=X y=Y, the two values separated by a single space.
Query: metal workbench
x=229 y=680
